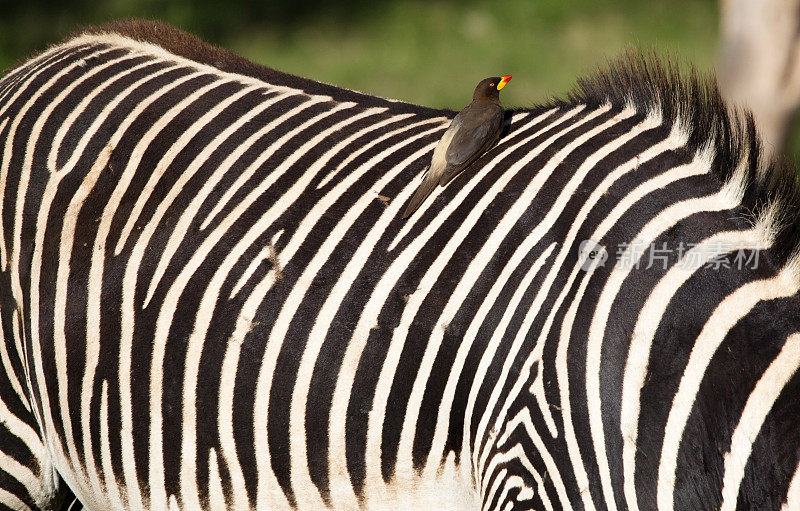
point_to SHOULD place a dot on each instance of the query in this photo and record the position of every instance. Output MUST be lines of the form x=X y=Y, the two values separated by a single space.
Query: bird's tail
x=425 y=188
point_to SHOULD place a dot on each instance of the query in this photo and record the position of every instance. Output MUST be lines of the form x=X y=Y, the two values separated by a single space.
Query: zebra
x=209 y=300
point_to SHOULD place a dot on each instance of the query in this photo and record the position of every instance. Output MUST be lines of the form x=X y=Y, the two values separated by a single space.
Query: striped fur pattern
x=209 y=300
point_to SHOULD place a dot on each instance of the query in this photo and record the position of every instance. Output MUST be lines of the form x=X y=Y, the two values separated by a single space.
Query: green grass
x=431 y=53
x=434 y=53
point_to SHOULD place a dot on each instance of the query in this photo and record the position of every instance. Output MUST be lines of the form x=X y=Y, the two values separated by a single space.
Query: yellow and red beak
x=503 y=82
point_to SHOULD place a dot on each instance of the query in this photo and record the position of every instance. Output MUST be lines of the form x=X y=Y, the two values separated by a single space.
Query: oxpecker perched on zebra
x=472 y=132
x=205 y=303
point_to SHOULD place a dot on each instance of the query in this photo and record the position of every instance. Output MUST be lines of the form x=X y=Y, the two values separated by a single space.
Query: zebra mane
x=769 y=189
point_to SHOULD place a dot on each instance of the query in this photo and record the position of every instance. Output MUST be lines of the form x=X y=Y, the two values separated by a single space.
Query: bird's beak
x=503 y=82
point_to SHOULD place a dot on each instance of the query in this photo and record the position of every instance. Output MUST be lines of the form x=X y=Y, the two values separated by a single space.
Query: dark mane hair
x=633 y=79
x=647 y=83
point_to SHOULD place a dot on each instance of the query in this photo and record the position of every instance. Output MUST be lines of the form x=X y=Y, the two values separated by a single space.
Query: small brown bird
x=471 y=133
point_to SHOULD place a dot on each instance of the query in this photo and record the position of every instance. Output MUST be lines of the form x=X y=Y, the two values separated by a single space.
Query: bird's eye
x=491 y=84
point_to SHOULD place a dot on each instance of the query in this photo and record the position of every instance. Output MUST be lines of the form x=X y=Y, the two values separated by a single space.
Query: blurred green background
x=427 y=52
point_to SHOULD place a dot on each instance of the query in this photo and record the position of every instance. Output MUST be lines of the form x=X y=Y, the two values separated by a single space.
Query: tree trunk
x=759 y=63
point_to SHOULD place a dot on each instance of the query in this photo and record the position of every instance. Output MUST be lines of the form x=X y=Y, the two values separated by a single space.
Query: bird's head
x=489 y=88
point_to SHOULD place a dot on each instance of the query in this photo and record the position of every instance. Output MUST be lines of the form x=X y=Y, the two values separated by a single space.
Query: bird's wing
x=466 y=142
x=469 y=143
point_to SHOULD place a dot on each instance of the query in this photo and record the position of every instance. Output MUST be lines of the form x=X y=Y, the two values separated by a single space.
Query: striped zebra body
x=209 y=299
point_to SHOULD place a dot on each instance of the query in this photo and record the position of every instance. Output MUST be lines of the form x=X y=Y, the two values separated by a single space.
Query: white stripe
x=9 y=145
x=114 y=201
x=95 y=285
x=59 y=313
x=536 y=389
x=758 y=405
x=46 y=422
x=494 y=342
x=65 y=252
x=12 y=78
x=205 y=310
x=25 y=433
x=57 y=144
x=264 y=254
x=369 y=316
x=274 y=146
x=576 y=460
x=338 y=469
x=519 y=453
x=41 y=67
x=182 y=227
x=727 y=314
x=216 y=495
x=168 y=308
x=23 y=185
x=20 y=347
x=168 y=155
x=372 y=143
x=510 y=483
x=476 y=267
x=323 y=205
x=506 y=141
x=10 y=372
x=31 y=69
x=370 y=312
x=436 y=159
x=542 y=490
x=495 y=486
x=312 y=171
x=318 y=164
x=300 y=475
x=9 y=83
x=516 y=454
x=269 y=359
x=416 y=245
x=514 y=261
x=9 y=499
x=653 y=229
x=227 y=442
x=562 y=375
x=16 y=287
x=206 y=306
x=6 y=154
x=471 y=275
x=111 y=498
x=170 y=303
x=67 y=242
x=541 y=229
x=23 y=475
x=644 y=332
x=519 y=255
x=342 y=493
x=523 y=418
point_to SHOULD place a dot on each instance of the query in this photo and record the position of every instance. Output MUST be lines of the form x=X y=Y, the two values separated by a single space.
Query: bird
x=472 y=132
